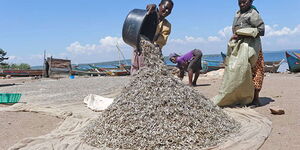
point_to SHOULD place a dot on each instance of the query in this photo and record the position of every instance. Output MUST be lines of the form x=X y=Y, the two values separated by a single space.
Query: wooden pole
x=44 y=66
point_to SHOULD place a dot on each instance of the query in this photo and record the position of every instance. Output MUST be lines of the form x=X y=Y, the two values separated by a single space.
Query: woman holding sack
x=244 y=72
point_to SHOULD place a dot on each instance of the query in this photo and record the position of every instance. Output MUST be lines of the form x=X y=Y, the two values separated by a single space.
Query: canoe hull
x=270 y=66
x=21 y=73
x=293 y=62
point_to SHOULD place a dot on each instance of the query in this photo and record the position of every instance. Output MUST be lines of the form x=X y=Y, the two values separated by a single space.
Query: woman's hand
x=180 y=75
x=151 y=8
x=234 y=37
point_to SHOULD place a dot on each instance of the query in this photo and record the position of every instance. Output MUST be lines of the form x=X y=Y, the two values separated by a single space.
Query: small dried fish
x=157 y=111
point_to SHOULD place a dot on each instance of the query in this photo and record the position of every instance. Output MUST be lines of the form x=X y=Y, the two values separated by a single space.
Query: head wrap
x=173 y=55
x=253 y=7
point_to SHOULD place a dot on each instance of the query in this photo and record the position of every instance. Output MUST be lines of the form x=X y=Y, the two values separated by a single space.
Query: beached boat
x=77 y=70
x=214 y=68
x=297 y=55
x=89 y=73
x=210 y=65
x=293 y=62
x=272 y=66
x=55 y=67
x=269 y=66
x=21 y=73
x=118 y=71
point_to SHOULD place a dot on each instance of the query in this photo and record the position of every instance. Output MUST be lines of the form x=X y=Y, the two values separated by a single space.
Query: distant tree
x=4 y=66
x=2 y=57
x=13 y=66
x=21 y=66
x=24 y=66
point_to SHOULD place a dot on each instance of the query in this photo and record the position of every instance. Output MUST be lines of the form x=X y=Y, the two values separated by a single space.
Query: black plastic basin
x=138 y=23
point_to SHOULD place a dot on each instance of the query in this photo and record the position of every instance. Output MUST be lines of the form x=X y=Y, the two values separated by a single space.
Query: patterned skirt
x=258 y=72
x=137 y=62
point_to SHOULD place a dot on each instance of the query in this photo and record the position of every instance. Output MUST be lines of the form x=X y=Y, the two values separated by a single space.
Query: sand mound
x=157 y=111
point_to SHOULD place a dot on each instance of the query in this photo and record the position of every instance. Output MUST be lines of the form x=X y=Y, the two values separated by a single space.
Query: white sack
x=97 y=103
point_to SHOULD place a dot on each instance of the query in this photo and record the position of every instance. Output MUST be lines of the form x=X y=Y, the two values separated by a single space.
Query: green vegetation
x=21 y=66
x=2 y=57
x=4 y=65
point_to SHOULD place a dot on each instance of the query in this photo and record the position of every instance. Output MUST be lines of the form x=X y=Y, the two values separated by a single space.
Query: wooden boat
x=214 y=68
x=297 y=54
x=293 y=62
x=270 y=66
x=210 y=65
x=55 y=66
x=118 y=71
x=77 y=70
x=21 y=73
x=89 y=73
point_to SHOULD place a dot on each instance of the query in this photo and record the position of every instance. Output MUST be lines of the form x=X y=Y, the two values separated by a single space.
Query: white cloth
x=97 y=103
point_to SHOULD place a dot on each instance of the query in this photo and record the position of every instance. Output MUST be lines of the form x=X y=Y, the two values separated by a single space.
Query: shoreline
x=279 y=89
x=212 y=57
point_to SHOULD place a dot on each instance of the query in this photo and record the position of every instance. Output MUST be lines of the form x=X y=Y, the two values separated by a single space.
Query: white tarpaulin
x=97 y=103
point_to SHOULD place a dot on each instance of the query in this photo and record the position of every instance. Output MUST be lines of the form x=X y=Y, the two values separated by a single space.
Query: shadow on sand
x=202 y=85
x=265 y=101
x=4 y=85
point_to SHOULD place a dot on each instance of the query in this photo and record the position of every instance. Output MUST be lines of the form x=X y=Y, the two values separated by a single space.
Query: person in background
x=190 y=62
x=249 y=17
x=162 y=33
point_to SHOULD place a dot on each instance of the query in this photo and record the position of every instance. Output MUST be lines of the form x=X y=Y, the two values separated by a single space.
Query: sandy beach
x=278 y=90
x=46 y=103
x=16 y=126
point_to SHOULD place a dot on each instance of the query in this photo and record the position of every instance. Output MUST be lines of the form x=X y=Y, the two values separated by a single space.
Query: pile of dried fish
x=157 y=111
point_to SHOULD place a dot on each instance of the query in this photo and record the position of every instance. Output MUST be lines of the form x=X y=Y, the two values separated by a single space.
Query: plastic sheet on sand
x=254 y=131
x=97 y=103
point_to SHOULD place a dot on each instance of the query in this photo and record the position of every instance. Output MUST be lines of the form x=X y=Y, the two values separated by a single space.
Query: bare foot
x=256 y=102
x=194 y=84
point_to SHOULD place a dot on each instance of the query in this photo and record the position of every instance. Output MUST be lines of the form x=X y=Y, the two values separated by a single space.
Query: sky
x=87 y=31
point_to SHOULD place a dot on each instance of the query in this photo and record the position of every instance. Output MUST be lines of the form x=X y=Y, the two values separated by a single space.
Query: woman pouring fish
x=162 y=33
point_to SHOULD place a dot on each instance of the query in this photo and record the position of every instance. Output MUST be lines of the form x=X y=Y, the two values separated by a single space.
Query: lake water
x=269 y=56
x=213 y=60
